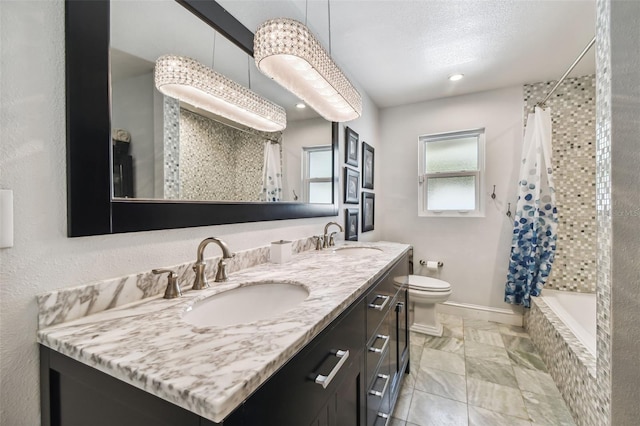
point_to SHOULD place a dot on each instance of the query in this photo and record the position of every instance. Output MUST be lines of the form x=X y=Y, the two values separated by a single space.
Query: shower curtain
x=536 y=219
x=271 y=173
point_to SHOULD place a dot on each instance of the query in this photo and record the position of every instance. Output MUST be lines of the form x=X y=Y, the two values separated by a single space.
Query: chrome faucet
x=200 y=281
x=328 y=240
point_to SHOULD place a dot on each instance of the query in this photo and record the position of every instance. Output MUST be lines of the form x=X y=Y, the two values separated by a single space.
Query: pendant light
x=196 y=84
x=286 y=51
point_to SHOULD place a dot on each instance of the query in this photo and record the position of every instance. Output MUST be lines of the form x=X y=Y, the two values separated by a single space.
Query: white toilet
x=424 y=293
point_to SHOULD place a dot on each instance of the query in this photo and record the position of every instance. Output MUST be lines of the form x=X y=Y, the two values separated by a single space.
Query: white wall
x=475 y=251
x=32 y=163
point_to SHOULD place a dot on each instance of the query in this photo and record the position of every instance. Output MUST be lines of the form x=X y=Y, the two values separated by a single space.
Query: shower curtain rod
x=584 y=52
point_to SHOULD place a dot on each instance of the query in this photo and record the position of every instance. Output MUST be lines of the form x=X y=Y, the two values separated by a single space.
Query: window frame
x=306 y=169
x=423 y=176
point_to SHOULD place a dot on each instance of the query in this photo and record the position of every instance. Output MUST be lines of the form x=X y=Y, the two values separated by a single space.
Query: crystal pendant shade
x=286 y=51
x=196 y=84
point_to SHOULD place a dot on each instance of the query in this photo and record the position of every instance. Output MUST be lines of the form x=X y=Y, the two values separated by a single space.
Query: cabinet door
x=345 y=406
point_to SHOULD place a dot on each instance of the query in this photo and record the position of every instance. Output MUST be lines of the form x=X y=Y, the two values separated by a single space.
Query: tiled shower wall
x=218 y=162
x=573 y=115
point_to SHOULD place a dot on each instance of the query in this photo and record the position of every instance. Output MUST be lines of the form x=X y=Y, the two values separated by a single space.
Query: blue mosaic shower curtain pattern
x=536 y=219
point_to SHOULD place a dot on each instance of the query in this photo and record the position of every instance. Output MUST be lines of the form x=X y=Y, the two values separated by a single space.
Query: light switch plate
x=6 y=218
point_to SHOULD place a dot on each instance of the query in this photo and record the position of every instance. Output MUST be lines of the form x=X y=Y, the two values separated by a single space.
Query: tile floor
x=478 y=373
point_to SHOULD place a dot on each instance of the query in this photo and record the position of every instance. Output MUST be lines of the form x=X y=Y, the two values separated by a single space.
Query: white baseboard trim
x=469 y=311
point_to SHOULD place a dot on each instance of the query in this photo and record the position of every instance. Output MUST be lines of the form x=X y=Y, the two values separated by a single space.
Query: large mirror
x=139 y=160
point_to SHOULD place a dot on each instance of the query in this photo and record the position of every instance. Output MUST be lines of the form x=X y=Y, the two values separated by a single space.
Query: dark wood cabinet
x=348 y=375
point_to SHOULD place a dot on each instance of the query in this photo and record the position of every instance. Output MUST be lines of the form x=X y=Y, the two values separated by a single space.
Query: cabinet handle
x=380 y=307
x=384 y=345
x=384 y=416
x=385 y=377
x=324 y=381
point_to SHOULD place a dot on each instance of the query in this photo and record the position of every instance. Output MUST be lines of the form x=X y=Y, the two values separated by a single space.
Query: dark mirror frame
x=90 y=207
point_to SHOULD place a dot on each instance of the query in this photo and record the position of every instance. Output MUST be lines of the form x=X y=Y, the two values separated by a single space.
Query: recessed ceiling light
x=456 y=77
x=300 y=105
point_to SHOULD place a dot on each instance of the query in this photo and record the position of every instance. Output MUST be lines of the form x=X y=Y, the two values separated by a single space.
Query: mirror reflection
x=167 y=149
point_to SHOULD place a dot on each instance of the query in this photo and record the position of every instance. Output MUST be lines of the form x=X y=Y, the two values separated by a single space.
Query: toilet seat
x=422 y=283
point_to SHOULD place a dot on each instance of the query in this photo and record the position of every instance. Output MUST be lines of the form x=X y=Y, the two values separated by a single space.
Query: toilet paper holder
x=424 y=262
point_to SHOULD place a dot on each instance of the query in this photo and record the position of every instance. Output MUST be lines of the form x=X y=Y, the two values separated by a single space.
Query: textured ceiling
x=402 y=51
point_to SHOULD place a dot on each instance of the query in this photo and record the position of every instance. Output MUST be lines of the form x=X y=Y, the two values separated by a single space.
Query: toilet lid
x=419 y=282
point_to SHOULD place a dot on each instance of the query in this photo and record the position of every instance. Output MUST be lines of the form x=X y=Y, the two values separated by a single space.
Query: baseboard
x=469 y=311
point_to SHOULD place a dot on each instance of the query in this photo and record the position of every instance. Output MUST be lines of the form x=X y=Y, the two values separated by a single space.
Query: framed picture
x=351 y=186
x=351 y=225
x=351 y=147
x=368 y=210
x=367 y=166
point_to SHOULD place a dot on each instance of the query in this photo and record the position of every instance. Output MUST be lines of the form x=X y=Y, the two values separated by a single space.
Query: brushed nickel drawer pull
x=384 y=416
x=384 y=345
x=324 y=381
x=380 y=307
x=385 y=377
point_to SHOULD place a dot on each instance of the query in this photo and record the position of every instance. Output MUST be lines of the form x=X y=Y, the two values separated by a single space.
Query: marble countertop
x=211 y=370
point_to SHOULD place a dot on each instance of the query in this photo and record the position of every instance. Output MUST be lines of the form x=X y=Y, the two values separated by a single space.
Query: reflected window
x=317 y=174
x=451 y=171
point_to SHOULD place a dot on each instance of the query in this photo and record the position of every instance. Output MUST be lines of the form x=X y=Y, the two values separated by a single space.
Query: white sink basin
x=246 y=304
x=357 y=251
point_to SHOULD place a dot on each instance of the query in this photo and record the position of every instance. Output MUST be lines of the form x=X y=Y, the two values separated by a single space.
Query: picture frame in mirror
x=367 y=165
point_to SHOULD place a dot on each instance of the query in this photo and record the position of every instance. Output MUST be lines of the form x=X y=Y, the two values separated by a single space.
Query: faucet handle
x=332 y=241
x=173 y=289
x=318 y=239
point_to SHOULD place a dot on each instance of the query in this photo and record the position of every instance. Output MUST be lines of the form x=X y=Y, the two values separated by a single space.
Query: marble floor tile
x=447 y=344
x=415 y=351
x=493 y=372
x=547 y=410
x=483 y=336
x=396 y=422
x=486 y=352
x=519 y=343
x=442 y=383
x=526 y=360
x=481 y=325
x=449 y=319
x=452 y=331
x=482 y=417
x=536 y=381
x=513 y=330
x=401 y=410
x=447 y=361
x=432 y=410
x=416 y=338
x=498 y=398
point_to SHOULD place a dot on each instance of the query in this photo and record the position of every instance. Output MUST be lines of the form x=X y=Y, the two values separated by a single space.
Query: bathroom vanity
x=337 y=358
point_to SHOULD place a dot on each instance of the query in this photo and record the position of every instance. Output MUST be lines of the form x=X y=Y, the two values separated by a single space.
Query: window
x=317 y=174
x=451 y=172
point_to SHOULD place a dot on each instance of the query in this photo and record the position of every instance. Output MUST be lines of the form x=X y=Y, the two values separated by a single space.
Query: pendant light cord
x=249 y=70
x=306 y=11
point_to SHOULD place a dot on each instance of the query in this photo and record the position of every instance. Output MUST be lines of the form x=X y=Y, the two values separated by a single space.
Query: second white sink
x=243 y=305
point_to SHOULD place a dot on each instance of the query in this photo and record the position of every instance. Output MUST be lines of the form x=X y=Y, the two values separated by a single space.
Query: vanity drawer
x=378 y=392
x=378 y=347
x=378 y=304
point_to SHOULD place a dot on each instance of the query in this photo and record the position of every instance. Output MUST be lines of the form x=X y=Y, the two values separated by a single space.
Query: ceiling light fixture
x=286 y=51
x=300 y=105
x=196 y=84
x=456 y=77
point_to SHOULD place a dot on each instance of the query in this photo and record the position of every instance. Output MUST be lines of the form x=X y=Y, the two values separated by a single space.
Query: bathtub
x=562 y=326
x=577 y=311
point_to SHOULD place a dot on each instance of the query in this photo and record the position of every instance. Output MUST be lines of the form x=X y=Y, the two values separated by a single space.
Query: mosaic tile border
x=569 y=362
x=72 y=303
